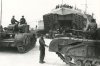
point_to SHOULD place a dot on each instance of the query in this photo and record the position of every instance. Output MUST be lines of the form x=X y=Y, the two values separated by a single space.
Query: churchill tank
x=18 y=36
x=73 y=45
x=80 y=51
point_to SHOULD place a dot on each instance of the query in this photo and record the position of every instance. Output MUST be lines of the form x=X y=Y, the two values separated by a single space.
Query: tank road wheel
x=32 y=41
x=26 y=42
x=97 y=63
x=79 y=63
x=21 y=49
x=88 y=63
x=24 y=45
x=68 y=59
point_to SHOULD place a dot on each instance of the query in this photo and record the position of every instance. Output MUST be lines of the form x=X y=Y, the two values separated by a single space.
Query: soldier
x=42 y=49
x=92 y=27
x=22 y=20
x=50 y=34
x=13 y=20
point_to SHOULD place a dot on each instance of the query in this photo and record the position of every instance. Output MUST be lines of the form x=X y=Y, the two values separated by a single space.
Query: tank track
x=82 y=61
x=28 y=43
x=64 y=60
x=79 y=59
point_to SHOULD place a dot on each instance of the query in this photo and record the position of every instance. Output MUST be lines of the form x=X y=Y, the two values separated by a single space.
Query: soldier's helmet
x=23 y=16
x=13 y=16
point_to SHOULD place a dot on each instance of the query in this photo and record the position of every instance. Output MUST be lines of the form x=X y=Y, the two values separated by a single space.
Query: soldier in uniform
x=92 y=27
x=13 y=20
x=42 y=49
x=22 y=20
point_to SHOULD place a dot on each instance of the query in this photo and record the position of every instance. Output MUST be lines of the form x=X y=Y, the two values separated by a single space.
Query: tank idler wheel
x=68 y=59
x=32 y=42
x=21 y=49
x=88 y=64
x=79 y=63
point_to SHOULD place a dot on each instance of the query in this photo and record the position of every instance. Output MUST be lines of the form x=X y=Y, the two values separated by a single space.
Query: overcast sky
x=33 y=10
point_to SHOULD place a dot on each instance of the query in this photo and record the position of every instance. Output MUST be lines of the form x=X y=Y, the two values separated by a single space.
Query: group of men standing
x=14 y=21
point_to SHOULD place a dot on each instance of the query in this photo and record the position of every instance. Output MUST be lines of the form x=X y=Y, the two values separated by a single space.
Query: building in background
x=40 y=25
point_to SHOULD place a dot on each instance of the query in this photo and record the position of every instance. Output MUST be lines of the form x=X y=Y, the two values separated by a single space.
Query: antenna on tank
x=1 y=14
x=85 y=6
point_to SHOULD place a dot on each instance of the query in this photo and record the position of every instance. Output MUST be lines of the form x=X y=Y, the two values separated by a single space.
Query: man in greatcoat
x=42 y=49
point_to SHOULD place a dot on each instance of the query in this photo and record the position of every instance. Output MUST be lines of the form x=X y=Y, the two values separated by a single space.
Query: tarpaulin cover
x=65 y=11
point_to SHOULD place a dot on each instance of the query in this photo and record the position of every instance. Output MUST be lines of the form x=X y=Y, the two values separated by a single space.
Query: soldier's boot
x=41 y=61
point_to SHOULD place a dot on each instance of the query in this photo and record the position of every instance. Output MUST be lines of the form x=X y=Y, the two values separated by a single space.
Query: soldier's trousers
x=42 y=54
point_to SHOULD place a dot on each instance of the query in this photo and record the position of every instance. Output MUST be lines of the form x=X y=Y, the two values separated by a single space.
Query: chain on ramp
x=61 y=56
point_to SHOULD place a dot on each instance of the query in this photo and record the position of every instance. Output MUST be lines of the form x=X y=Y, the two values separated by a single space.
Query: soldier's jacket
x=22 y=21
x=92 y=27
x=42 y=43
x=13 y=21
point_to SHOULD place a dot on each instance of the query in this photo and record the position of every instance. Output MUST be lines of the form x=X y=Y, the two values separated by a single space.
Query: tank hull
x=23 y=41
x=79 y=50
x=7 y=43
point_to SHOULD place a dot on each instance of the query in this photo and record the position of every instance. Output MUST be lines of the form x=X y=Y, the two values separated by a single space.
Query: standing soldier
x=13 y=20
x=92 y=27
x=42 y=49
x=22 y=20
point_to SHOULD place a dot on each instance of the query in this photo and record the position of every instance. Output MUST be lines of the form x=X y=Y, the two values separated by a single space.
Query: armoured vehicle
x=17 y=35
x=72 y=46
x=84 y=52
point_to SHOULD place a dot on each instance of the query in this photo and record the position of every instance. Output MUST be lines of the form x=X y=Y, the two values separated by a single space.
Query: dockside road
x=10 y=57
